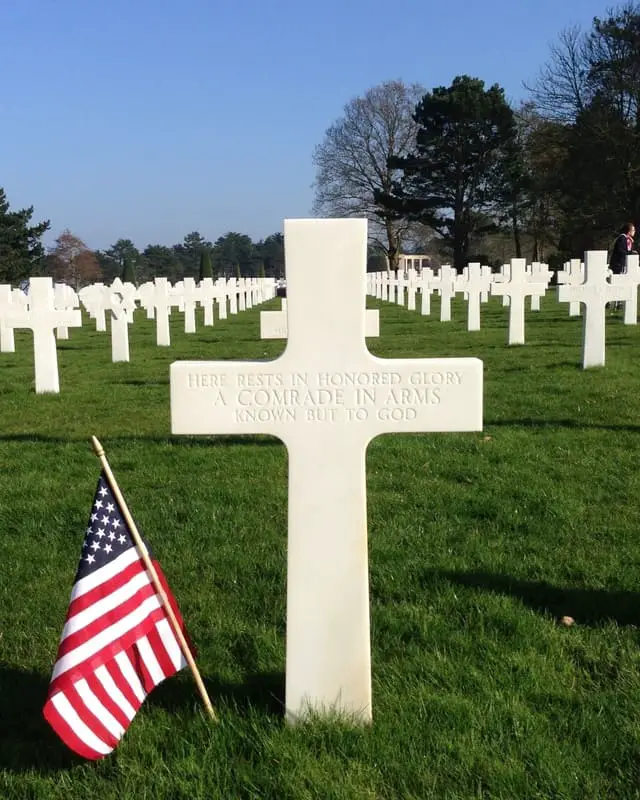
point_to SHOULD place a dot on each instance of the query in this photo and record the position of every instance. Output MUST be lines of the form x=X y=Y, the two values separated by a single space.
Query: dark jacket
x=618 y=260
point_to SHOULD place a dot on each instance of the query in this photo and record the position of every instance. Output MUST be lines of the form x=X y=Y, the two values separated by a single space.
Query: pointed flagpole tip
x=97 y=447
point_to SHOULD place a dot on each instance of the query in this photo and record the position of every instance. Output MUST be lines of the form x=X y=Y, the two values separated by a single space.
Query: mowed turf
x=478 y=543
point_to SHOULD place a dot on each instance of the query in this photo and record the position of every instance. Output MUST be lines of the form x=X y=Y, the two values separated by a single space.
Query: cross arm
x=371 y=397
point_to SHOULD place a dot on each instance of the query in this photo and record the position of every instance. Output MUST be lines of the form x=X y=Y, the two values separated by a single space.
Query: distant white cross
x=444 y=282
x=594 y=294
x=516 y=288
x=7 y=339
x=631 y=277
x=43 y=318
x=473 y=283
x=572 y=274
x=426 y=276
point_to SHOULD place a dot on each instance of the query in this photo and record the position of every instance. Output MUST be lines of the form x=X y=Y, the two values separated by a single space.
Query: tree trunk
x=393 y=248
x=460 y=233
x=515 y=227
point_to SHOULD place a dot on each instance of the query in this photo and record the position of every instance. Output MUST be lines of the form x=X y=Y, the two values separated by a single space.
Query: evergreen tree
x=159 y=261
x=206 y=270
x=261 y=270
x=21 y=249
x=128 y=272
x=238 y=273
x=457 y=171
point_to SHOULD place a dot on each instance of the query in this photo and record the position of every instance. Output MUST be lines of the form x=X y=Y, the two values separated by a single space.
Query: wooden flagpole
x=142 y=550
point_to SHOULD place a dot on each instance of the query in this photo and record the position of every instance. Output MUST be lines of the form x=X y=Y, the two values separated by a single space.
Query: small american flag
x=117 y=643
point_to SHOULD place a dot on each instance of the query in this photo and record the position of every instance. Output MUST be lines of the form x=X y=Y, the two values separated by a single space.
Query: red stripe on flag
x=160 y=651
x=122 y=683
x=112 y=616
x=142 y=670
x=106 y=588
x=124 y=642
x=105 y=698
x=90 y=719
x=67 y=734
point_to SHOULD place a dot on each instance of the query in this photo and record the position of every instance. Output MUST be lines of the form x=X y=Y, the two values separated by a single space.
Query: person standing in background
x=622 y=247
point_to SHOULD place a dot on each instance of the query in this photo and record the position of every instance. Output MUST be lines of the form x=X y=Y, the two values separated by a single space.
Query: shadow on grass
x=586 y=606
x=557 y=423
x=28 y=743
x=141 y=382
x=260 y=692
x=173 y=441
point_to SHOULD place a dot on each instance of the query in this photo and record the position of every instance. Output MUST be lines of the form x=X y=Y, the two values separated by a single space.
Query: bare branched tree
x=561 y=90
x=352 y=160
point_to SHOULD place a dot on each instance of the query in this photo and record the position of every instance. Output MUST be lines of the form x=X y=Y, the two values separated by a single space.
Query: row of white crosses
x=589 y=283
x=49 y=311
x=515 y=281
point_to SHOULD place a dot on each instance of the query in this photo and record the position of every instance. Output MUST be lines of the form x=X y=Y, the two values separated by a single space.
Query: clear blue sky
x=147 y=119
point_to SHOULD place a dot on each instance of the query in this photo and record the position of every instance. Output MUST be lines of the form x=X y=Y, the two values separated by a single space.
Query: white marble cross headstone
x=327 y=397
x=7 y=339
x=540 y=273
x=43 y=318
x=190 y=295
x=631 y=277
x=401 y=283
x=519 y=286
x=487 y=274
x=473 y=283
x=385 y=287
x=232 y=293
x=162 y=300
x=412 y=286
x=594 y=293
x=64 y=297
x=145 y=296
x=93 y=299
x=502 y=276
x=208 y=292
x=572 y=274
x=426 y=276
x=121 y=309
x=445 y=284
x=129 y=294
x=221 y=294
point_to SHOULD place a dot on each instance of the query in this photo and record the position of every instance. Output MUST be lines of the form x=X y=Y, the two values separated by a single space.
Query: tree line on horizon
x=460 y=174
x=456 y=173
x=71 y=261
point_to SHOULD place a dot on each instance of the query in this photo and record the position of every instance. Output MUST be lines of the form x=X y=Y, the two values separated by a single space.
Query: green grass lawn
x=478 y=544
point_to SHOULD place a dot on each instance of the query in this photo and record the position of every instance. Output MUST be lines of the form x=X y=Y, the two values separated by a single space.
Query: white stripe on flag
x=111 y=688
x=98 y=710
x=126 y=667
x=70 y=716
x=103 y=574
x=108 y=603
x=105 y=637
x=150 y=660
x=171 y=644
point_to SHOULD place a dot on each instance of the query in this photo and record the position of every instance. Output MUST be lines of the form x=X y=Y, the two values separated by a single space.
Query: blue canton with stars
x=107 y=535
